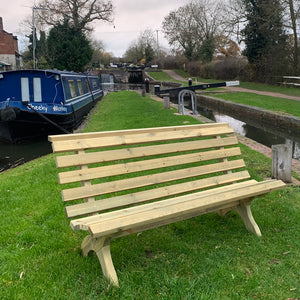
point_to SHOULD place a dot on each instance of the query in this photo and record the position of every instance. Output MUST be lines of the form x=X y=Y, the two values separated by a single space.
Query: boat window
x=37 y=89
x=79 y=84
x=94 y=84
x=87 y=85
x=72 y=88
x=25 y=89
x=66 y=88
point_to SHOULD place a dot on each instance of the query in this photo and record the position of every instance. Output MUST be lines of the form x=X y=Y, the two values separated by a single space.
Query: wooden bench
x=134 y=180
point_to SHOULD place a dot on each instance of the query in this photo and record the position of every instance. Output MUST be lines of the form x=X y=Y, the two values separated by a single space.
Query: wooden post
x=282 y=162
x=167 y=102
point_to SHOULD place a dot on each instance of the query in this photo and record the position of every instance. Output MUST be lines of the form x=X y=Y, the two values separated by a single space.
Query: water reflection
x=12 y=155
x=261 y=136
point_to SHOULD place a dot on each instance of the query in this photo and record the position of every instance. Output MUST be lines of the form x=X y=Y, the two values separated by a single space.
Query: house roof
x=4 y=63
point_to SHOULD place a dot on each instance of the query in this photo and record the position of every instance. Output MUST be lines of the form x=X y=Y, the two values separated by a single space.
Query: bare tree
x=236 y=19
x=292 y=8
x=194 y=25
x=142 y=48
x=80 y=13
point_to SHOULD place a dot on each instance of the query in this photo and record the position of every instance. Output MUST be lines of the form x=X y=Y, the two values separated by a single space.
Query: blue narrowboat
x=35 y=103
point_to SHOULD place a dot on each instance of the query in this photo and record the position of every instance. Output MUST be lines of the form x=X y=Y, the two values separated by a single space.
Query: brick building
x=10 y=58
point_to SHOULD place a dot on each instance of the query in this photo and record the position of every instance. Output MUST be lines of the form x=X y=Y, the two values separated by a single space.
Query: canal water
x=257 y=134
x=17 y=154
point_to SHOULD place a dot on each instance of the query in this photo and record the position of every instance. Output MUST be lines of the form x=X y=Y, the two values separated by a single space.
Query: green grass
x=163 y=76
x=199 y=79
x=291 y=107
x=207 y=257
x=130 y=110
x=271 y=88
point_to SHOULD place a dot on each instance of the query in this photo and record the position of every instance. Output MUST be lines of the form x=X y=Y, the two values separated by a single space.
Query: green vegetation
x=126 y=110
x=271 y=103
x=208 y=257
x=271 y=88
x=163 y=76
x=68 y=48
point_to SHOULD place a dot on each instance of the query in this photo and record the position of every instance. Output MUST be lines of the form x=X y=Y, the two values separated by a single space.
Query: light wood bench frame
x=114 y=205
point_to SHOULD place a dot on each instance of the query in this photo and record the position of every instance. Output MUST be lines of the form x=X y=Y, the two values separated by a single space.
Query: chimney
x=1 y=24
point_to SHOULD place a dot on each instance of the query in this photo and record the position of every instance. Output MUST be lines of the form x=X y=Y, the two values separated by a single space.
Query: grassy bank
x=280 y=105
x=207 y=257
x=162 y=76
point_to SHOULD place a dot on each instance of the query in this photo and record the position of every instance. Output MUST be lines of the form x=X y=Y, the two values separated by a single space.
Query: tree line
x=257 y=39
x=66 y=46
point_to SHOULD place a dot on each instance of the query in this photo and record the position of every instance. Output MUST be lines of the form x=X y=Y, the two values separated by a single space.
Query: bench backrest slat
x=138 y=137
x=136 y=182
x=111 y=155
x=137 y=166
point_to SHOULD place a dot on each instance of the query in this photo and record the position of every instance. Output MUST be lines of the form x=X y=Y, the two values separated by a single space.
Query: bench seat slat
x=85 y=222
x=130 y=167
x=111 y=155
x=126 y=184
x=139 y=138
x=81 y=209
x=112 y=222
x=187 y=204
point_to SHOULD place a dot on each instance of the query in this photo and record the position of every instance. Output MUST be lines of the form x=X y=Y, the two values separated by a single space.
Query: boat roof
x=47 y=71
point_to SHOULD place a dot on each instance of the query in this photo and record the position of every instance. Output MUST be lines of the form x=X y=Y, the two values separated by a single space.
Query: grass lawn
x=291 y=107
x=208 y=257
x=162 y=76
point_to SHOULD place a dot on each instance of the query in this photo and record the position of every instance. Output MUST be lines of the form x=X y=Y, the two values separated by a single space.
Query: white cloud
x=131 y=18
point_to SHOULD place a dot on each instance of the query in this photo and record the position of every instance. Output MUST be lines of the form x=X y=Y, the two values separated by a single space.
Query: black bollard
x=156 y=89
x=147 y=85
x=190 y=81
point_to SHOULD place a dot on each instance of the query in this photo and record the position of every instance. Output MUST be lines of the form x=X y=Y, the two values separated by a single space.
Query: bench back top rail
x=83 y=141
x=183 y=160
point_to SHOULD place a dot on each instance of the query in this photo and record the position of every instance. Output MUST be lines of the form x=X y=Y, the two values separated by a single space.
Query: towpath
x=238 y=89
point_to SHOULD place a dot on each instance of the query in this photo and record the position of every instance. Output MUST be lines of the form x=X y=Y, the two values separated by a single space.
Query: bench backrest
x=129 y=167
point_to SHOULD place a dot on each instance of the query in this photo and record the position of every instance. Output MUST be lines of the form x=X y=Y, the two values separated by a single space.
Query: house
x=10 y=57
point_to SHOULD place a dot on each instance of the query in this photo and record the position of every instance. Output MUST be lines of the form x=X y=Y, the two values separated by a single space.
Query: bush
x=227 y=68
x=173 y=62
x=193 y=68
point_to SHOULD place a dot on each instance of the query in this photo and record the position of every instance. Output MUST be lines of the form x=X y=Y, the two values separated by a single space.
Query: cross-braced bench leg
x=243 y=209
x=102 y=248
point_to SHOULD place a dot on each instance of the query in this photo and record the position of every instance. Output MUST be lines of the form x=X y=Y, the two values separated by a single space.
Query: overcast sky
x=131 y=18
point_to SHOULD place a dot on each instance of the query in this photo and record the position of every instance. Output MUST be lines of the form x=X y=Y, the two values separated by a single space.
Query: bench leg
x=243 y=209
x=102 y=248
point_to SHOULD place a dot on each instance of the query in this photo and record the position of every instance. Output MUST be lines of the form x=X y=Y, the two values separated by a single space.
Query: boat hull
x=29 y=124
